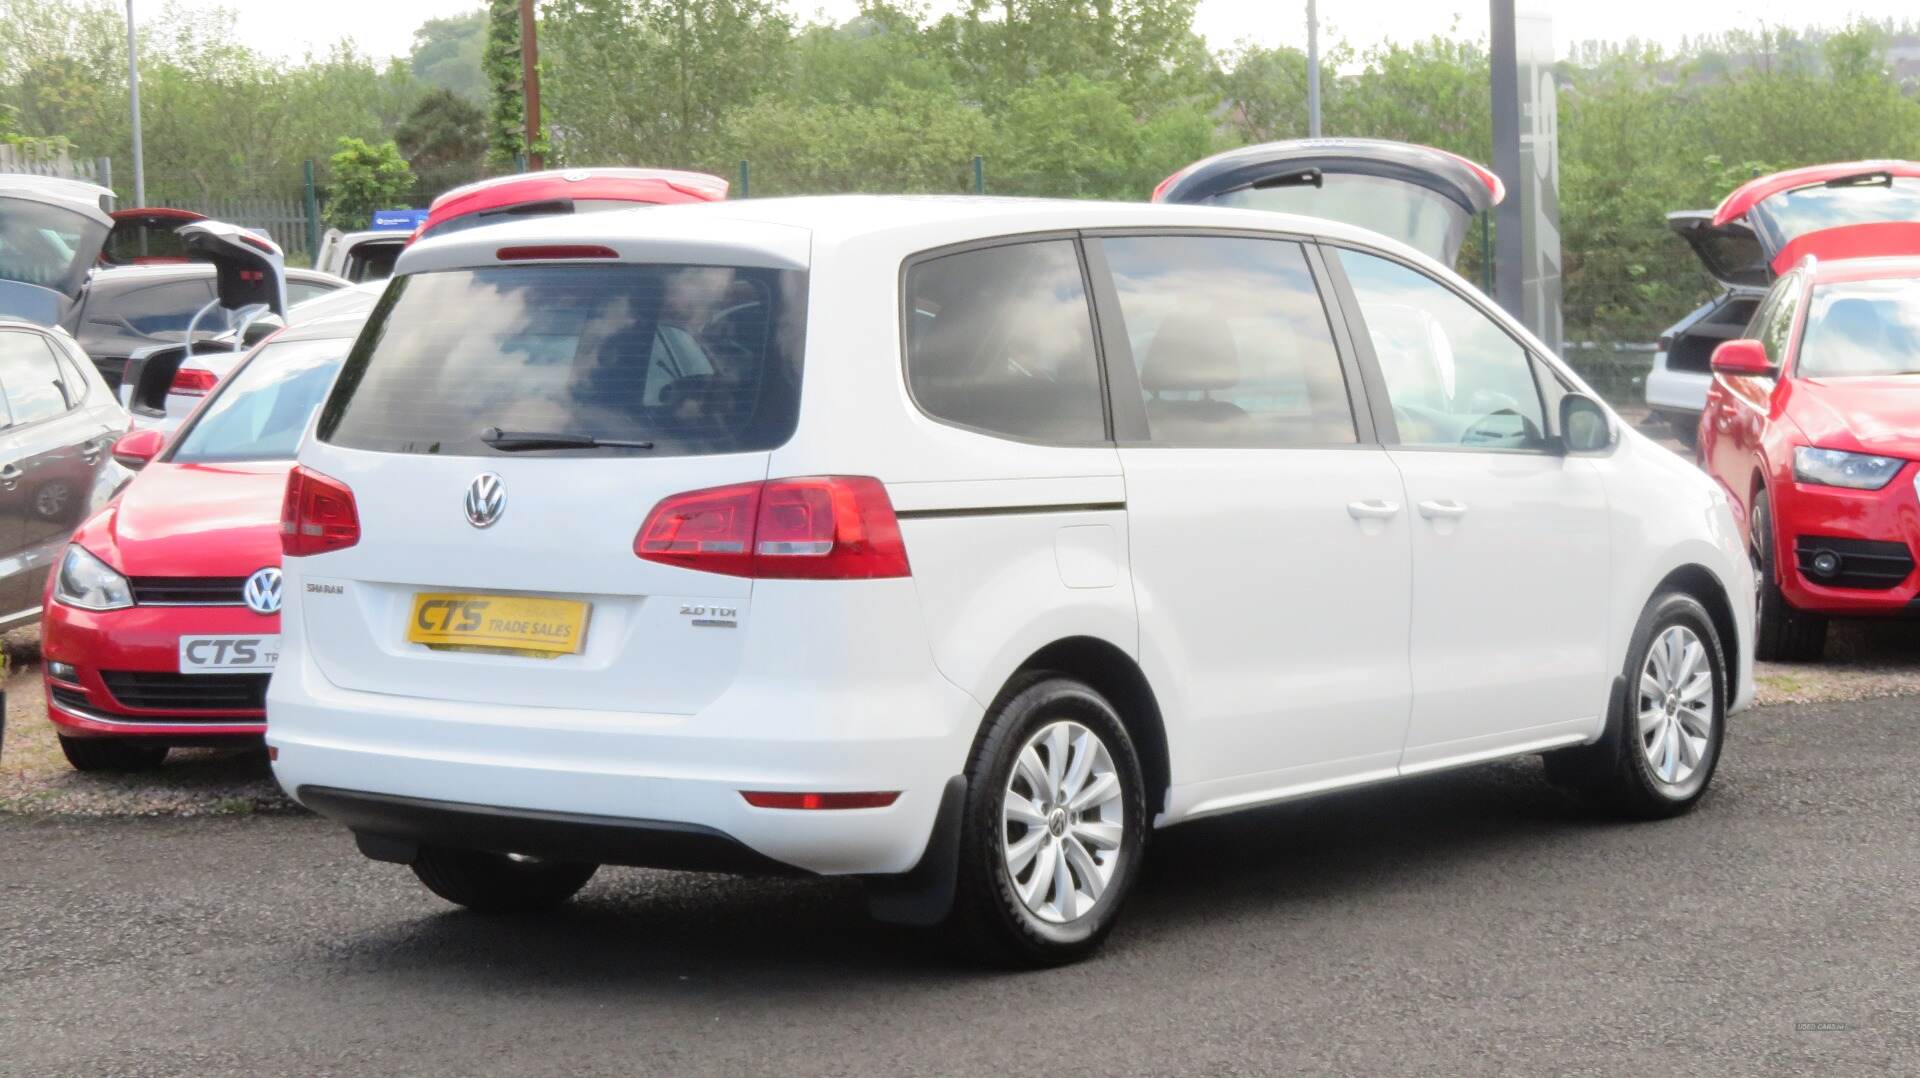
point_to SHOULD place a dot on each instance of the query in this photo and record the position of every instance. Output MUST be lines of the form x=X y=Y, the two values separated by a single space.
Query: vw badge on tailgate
x=486 y=499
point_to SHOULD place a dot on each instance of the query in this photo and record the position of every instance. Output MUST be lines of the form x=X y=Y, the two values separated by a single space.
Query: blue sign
x=399 y=220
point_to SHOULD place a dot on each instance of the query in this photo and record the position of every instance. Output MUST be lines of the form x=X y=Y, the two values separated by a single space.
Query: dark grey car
x=130 y=308
x=58 y=423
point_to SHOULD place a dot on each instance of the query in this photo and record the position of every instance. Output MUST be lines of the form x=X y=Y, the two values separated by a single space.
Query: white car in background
x=957 y=544
x=361 y=256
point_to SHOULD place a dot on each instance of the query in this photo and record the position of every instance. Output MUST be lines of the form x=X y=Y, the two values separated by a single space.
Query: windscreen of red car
x=1863 y=200
x=1862 y=328
x=261 y=412
x=691 y=359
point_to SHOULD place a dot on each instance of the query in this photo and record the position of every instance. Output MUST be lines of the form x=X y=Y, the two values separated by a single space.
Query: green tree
x=444 y=141
x=446 y=54
x=652 y=81
x=507 y=112
x=910 y=140
x=365 y=178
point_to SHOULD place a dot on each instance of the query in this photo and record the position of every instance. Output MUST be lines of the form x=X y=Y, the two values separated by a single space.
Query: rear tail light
x=779 y=799
x=317 y=515
x=830 y=527
x=191 y=382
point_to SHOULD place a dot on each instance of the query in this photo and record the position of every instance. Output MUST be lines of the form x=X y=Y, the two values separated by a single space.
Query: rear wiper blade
x=508 y=441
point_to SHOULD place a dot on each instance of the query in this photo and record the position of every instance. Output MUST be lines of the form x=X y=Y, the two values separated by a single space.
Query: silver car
x=58 y=423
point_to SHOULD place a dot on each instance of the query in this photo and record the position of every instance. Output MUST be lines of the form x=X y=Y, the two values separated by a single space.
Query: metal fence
x=285 y=219
x=62 y=164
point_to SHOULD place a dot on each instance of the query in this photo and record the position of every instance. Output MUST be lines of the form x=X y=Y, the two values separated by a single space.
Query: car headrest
x=1191 y=352
x=1861 y=321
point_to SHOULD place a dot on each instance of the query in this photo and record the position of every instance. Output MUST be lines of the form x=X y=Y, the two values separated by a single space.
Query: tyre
x=498 y=882
x=1053 y=829
x=1781 y=633
x=111 y=754
x=1664 y=740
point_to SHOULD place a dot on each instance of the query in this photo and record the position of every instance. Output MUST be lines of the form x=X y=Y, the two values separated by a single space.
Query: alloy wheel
x=1676 y=705
x=1064 y=818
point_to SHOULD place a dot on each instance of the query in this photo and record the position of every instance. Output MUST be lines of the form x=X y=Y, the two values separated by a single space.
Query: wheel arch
x=1116 y=676
x=1703 y=585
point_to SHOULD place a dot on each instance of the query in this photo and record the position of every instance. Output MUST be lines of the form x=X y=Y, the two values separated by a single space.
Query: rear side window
x=1231 y=342
x=694 y=359
x=1001 y=339
x=35 y=385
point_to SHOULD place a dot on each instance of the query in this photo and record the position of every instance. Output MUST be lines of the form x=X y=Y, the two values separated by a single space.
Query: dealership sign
x=1526 y=155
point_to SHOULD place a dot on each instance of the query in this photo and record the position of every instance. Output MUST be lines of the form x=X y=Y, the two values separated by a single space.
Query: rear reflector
x=824 y=527
x=190 y=382
x=781 y=800
x=551 y=251
x=317 y=515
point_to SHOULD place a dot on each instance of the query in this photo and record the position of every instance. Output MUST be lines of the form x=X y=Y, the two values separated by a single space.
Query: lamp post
x=133 y=93
x=1313 y=70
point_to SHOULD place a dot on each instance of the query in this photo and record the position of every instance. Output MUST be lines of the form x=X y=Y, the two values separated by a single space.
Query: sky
x=385 y=27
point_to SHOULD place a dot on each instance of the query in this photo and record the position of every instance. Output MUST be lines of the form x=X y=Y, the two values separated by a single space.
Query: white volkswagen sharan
x=958 y=544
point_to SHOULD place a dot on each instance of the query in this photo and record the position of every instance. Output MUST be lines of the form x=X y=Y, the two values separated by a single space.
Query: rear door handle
x=1372 y=509
x=11 y=475
x=1442 y=510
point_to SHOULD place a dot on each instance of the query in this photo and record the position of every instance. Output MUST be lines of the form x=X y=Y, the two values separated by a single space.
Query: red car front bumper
x=1873 y=534
x=127 y=680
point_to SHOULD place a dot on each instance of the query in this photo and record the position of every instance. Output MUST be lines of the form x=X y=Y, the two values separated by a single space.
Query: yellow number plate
x=511 y=622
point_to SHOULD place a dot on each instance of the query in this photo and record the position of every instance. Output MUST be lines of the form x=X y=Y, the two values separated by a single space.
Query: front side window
x=34 y=383
x=261 y=412
x=1774 y=327
x=1862 y=328
x=1001 y=339
x=684 y=359
x=1231 y=342
x=1454 y=376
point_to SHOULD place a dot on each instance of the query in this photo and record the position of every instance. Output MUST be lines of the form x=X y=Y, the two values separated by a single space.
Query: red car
x=1812 y=426
x=162 y=622
x=574 y=190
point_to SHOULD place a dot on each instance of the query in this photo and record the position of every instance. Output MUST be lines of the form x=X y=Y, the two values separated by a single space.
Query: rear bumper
x=393 y=828
x=607 y=786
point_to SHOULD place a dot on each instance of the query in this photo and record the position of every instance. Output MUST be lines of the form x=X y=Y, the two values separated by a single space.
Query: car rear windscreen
x=692 y=359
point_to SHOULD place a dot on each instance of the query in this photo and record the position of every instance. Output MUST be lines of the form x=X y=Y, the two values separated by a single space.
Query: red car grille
x=161 y=691
x=189 y=590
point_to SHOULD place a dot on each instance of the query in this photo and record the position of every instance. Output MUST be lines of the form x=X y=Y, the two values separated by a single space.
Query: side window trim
x=1347 y=308
x=1376 y=381
x=1126 y=400
x=1094 y=329
x=1360 y=393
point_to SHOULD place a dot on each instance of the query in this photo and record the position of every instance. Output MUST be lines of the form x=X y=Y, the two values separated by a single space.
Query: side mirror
x=136 y=448
x=1585 y=426
x=1745 y=356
